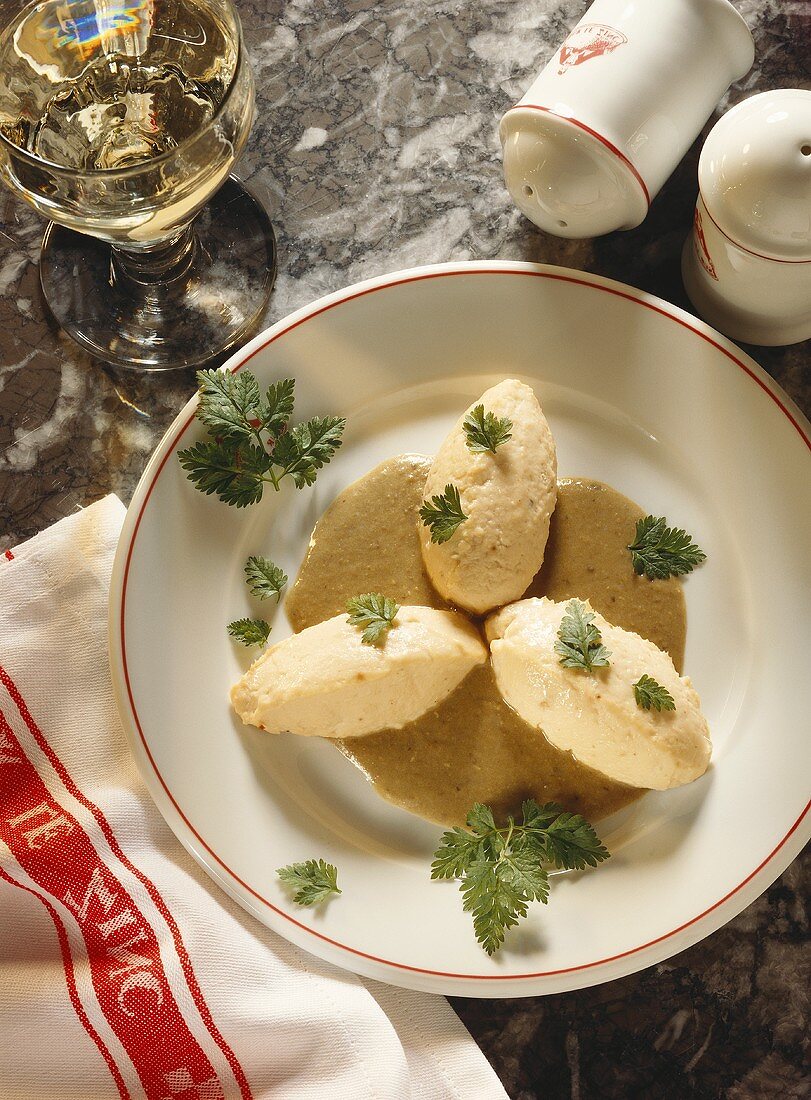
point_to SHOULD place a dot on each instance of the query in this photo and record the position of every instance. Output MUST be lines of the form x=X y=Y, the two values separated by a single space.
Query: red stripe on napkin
x=157 y=899
x=8 y=555
x=123 y=952
x=70 y=979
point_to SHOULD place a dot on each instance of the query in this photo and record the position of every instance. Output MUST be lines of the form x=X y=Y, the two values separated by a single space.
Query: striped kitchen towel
x=123 y=970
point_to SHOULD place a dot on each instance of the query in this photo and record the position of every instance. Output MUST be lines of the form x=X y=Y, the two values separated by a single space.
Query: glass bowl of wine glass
x=120 y=122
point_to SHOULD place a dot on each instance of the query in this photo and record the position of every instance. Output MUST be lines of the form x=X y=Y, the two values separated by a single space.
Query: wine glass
x=120 y=121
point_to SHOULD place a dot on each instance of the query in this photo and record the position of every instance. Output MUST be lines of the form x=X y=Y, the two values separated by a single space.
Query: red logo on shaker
x=702 y=251
x=587 y=41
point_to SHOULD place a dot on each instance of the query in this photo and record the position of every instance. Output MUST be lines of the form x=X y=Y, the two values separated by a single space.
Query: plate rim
x=284 y=923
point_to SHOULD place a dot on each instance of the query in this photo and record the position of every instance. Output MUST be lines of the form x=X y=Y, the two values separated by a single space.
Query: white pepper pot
x=747 y=264
x=614 y=111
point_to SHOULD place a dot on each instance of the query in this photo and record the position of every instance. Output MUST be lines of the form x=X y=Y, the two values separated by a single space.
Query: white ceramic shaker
x=747 y=264
x=617 y=107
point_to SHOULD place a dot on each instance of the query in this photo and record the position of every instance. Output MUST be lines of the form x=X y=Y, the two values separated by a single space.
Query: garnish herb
x=443 y=514
x=264 y=578
x=249 y=631
x=313 y=880
x=659 y=551
x=374 y=612
x=501 y=870
x=486 y=431
x=580 y=644
x=650 y=695
x=251 y=442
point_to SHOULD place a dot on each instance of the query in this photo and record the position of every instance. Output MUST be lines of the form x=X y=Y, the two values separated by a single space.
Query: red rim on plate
x=616 y=289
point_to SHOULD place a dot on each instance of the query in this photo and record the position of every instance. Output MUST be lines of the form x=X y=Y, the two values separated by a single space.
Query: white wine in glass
x=119 y=122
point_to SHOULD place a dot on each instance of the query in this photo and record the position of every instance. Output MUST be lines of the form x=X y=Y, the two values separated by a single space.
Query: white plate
x=638 y=394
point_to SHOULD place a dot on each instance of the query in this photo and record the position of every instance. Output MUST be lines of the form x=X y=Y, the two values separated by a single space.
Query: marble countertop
x=375 y=149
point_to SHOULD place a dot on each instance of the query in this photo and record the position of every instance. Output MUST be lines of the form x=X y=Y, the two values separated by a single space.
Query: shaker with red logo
x=747 y=264
x=615 y=109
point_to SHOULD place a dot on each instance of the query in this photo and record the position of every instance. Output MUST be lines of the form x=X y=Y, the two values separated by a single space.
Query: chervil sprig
x=264 y=578
x=659 y=551
x=312 y=881
x=374 y=612
x=580 y=644
x=303 y=450
x=235 y=470
x=250 y=631
x=486 y=431
x=442 y=514
x=252 y=443
x=650 y=695
x=501 y=870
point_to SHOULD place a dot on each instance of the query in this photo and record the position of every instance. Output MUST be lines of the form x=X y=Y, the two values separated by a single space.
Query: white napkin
x=123 y=970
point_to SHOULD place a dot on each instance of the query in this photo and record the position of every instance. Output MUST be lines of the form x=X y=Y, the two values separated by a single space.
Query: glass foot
x=209 y=296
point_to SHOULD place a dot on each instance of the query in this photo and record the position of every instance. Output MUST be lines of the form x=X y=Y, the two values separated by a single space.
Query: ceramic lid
x=565 y=178
x=755 y=174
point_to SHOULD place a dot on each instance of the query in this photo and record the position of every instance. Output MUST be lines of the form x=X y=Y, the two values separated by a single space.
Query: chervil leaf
x=650 y=695
x=573 y=844
x=233 y=469
x=443 y=514
x=228 y=403
x=530 y=837
x=530 y=844
x=485 y=431
x=456 y=851
x=481 y=823
x=579 y=643
x=374 y=612
x=480 y=820
x=264 y=578
x=524 y=870
x=249 y=631
x=459 y=847
x=312 y=881
x=539 y=817
x=277 y=408
x=659 y=551
x=489 y=892
x=302 y=451
x=501 y=870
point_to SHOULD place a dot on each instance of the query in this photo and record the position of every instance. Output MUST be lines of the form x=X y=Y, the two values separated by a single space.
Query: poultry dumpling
x=595 y=714
x=507 y=497
x=326 y=682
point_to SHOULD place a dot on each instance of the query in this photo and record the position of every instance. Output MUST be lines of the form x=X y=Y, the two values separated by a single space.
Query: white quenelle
x=618 y=105
x=508 y=498
x=747 y=263
x=326 y=682
x=595 y=714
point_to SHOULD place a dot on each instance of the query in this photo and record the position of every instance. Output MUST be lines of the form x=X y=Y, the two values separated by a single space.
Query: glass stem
x=156 y=265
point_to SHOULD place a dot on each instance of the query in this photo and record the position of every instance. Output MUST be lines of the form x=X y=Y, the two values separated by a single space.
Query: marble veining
x=375 y=148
